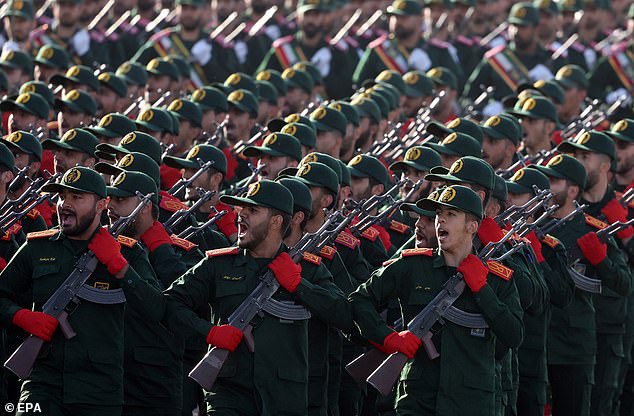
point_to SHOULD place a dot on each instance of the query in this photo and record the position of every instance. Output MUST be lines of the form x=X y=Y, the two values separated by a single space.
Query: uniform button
x=129 y=281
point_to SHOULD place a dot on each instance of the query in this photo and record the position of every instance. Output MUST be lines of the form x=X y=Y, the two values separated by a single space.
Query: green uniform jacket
x=89 y=367
x=461 y=381
x=274 y=379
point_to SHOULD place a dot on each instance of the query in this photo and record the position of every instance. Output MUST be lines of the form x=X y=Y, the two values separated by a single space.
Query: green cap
x=305 y=134
x=524 y=14
x=135 y=141
x=126 y=184
x=133 y=73
x=132 y=162
x=523 y=180
x=311 y=70
x=161 y=66
x=391 y=77
x=184 y=70
x=547 y=6
x=537 y=108
x=302 y=198
x=590 y=141
x=265 y=193
x=266 y=92
x=348 y=110
x=79 y=179
x=78 y=74
x=29 y=102
x=389 y=94
x=443 y=76
x=305 y=5
x=38 y=87
x=345 y=173
x=318 y=174
x=299 y=118
x=275 y=78
x=78 y=101
x=502 y=127
x=24 y=142
x=210 y=98
x=276 y=144
x=457 y=144
x=366 y=166
x=240 y=81
x=455 y=196
x=420 y=158
x=53 y=56
x=16 y=60
x=329 y=119
x=78 y=140
x=367 y=107
x=409 y=207
x=550 y=89
x=467 y=169
x=327 y=160
x=186 y=110
x=113 y=125
x=296 y=78
x=570 y=5
x=622 y=130
x=114 y=82
x=405 y=8
x=245 y=101
x=457 y=125
x=572 y=76
x=380 y=101
x=500 y=191
x=155 y=119
x=6 y=157
x=564 y=167
x=417 y=84
x=19 y=8
x=203 y=152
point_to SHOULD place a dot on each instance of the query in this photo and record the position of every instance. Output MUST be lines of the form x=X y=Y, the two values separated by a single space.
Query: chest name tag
x=232 y=278
x=478 y=332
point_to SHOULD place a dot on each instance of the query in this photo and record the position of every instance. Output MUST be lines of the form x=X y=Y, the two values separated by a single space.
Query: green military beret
x=417 y=84
x=443 y=76
x=266 y=92
x=16 y=60
x=265 y=193
x=389 y=94
x=458 y=144
x=329 y=119
x=536 y=108
x=245 y=101
x=160 y=67
x=113 y=125
x=306 y=5
x=467 y=169
x=502 y=127
x=523 y=180
x=420 y=158
x=311 y=70
x=19 y=8
x=572 y=76
x=391 y=77
x=405 y=8
x=24 y=142
x=590 y=141
x=305 y=134
x=6 y=157
x=38 y=87
x=127 y=184
x=318 y=174
x=500 y=190
x=327 y=160
x=79 y=179
x=458 y=197
x=77 y=140
x=367 y=107
x=200 y=153
x=296 y=78
x=547 y=6
x=155 y=119
x=457 y=125
x=275 y=78
x=184 y=69
x=348 y=110
x=550 y=89
x=564 y=167
x=524 y=14
x=622 y=130
x=78 y=101
x=135 y=141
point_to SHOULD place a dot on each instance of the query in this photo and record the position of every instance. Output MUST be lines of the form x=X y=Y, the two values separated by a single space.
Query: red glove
x=155 y=236
x=286 y=271
x=3 y=263
x=537 y=246
x=383 y=348
x=226 y=337
x=614 y=212
x=404 y=342
x=592 y=248
x=489 y=231
x=227 y=223
x=474 y=272
x=37 y=323
x=108 y=251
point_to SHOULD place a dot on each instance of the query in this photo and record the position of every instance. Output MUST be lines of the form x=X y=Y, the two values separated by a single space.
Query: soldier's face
x=108 y=101
x=66 y=12
x=496 y=151
x=44 y=73
x=561 y=189
x=411 y=105
x=415 y=175
x=253 y=226
x=66 y=159
x=274 y=164
x=21 y=120
x=360 y=188
x=74 y=119
x=311 y=22
x=157 y=85
x=625 y=152
x=18 y=28
x=518 y=199
x=405 y=26
x=425 y=232
x=120 y=207
x=452 y=228
x=188 y=16
x=239 y=125
x=596 y=164
x=329 y=142
x=523 y=36
x=77 y=211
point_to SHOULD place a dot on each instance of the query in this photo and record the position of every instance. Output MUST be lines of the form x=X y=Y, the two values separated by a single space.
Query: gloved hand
x=489 y=231
x=108 y=251
x=474 y=272
x=81 y=42
x=3 y=263
x=592 y=248
x=614 y=212
x=155 y=236
x=286 y=271
x=39 y=324
x=537 y=246
x=226 y=337
x=404 y=342
x=227 y=223
x=201 y=52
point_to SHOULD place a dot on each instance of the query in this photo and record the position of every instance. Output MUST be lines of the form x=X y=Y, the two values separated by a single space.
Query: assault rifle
x=183 y=215
x=184 y=183
x=194 y=230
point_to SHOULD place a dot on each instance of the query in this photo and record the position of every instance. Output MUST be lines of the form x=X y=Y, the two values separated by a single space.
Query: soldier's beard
x=311 y=30
x=82 y=223
x=256 y=234
x=403 y=33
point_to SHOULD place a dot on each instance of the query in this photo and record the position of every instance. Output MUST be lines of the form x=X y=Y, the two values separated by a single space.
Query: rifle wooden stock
x=361 y=367
x=23 y=358
x=387 y=374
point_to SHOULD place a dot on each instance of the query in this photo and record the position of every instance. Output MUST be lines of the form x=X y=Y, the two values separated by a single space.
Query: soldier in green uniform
x=50 y=60
x=277 y=152
x=18 y=22
x=462 y=380
x=502 y=135
x=274 y=378
x=76 y=147
x=77 y=107
x=82 y=375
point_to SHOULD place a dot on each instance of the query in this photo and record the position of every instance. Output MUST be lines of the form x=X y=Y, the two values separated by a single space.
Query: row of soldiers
x=436 y=155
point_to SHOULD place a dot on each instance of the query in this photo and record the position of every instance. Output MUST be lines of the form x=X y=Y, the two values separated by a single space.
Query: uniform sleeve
x=560 y=285
x=366 y=68
x=15 y=280
x=168 y=264
x=140 y=286
x=613 y=270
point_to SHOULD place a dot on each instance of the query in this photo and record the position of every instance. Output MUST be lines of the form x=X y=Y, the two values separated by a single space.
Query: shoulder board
x=281 y=41
x=126 y=241
x=516 y=237
x=225 y=251
x=388 y=262
x=438 y=43
x=33 y=214
x=465 y=40
x=52 y=125
x=550 y=241
x=15 y=228
x=417 y=252
x=370 y=234
x=41 y=234
x=377 y=42
x=494 y=51
x=399 y=227
x=161 y=34
x=595 y=222
x=311 y=258
x=499 y=269
x=347 y=240
x=172 y=205
x=182 y=243
x=328 y=252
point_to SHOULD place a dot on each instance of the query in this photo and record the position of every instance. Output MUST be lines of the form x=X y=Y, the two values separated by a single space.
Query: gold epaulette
x=311 y=258
x=399 y=227
x=222 y=251
x=595 y=222
x=417 y=252
x=126 y=241
x=370 y=234
x=550 y=241
x=172 y=205
x=33 y=214
x=328 y=252
x=41 y=234
x=15 y=228
x=182 y=243
x=347 y=240
x=499 y=269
